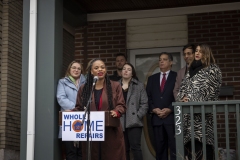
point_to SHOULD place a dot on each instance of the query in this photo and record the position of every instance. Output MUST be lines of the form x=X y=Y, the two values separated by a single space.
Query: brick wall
x=10 y=91
x=221 y=30
x=68 y=50
x=101 y=39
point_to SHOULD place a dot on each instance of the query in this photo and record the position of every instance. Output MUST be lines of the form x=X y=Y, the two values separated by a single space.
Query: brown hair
x=69 y=67
x=121 y=54
x=134 y=75
x=207 y=55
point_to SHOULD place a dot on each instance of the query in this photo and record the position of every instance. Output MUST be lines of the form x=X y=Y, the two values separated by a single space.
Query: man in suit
x=160 y=97
x=188 y=55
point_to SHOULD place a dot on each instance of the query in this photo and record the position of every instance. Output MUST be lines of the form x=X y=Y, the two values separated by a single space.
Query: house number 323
x=178 y=121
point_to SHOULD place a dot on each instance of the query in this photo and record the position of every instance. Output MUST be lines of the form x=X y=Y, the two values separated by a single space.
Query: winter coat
x=66 y=95
x=203 y=86
x=137 y=105
x=113 y=147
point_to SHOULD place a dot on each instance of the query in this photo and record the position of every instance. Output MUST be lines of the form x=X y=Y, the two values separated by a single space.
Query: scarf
x=195 y=67
x=76 y=82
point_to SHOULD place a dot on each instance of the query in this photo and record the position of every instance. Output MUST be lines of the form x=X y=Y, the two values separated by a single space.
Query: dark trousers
x=132 y=138
x=72 y=152
x=198 y=151
x=164 y=137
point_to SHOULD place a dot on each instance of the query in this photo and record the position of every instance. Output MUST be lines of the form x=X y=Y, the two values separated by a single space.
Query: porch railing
x=214 y=107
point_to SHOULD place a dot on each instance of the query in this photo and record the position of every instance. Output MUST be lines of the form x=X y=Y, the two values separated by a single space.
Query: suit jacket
x=180 y=77
x=158 y=99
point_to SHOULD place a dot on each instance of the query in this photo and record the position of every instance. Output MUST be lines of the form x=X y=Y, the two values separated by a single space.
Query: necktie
x=163 y=81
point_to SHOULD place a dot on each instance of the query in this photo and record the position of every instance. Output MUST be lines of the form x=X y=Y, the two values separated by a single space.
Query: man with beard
x=120 y=61
x=188 y=55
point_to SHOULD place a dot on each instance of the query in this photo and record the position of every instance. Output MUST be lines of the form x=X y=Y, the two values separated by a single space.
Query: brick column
x=10 y=90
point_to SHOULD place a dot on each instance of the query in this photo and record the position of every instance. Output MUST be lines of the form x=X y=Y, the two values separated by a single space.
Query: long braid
x=109 y=92
x=88 y=87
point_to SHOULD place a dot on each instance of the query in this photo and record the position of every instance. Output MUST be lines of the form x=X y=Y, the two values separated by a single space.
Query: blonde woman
x=67 y=90
x=202 y=83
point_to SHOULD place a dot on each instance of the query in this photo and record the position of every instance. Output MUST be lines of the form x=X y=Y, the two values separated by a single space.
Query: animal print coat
x=203 y=86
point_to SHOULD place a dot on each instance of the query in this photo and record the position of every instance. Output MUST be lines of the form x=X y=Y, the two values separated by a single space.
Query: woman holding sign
x=107 y=96
x=66 y=96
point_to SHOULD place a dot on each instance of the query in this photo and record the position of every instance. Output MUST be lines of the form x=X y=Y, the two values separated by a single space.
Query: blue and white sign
x=73 y=128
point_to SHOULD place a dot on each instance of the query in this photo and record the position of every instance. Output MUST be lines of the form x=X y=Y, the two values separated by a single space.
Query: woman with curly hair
x=107 y=96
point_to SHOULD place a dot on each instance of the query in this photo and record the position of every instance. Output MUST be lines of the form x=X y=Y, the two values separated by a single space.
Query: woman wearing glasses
x=67 y=90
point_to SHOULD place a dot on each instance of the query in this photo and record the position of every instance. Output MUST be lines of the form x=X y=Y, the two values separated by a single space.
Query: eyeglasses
x=76 y=68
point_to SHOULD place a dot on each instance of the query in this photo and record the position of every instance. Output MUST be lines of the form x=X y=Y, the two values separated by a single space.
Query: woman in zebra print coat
x=202 y=83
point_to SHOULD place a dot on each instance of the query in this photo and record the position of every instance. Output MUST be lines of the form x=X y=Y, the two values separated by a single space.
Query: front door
x=145 y=62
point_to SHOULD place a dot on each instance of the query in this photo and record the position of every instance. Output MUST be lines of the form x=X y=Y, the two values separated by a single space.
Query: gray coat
x=137 y=105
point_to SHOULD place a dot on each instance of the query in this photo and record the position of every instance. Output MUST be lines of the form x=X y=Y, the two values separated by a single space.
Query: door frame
x=134 y=52
x=132 y=59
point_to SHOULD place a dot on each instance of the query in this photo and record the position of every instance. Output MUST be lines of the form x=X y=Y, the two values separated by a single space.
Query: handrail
x=213 y=107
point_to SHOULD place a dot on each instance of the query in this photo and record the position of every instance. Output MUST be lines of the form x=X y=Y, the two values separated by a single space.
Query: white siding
x=166 y=12
x=157 y=32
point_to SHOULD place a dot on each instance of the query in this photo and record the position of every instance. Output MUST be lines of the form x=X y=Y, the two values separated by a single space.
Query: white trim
x=31 y=80
x=163 y=12
x=134 y=52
